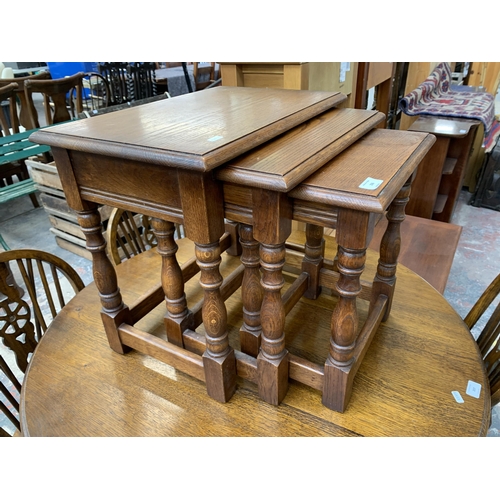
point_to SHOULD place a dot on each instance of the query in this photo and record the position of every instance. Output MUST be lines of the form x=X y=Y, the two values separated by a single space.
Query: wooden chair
x=24 y=112
x=488 y=339
x=58 y=107
x=200 y=73
x=25 y=312
x=95 y=93
x=142 y=79
x=120 y=86
x=128 y=234
x=9 y=93
x=10 y=387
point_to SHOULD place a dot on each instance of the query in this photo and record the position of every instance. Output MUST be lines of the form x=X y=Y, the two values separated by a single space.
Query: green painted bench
x=13 y=148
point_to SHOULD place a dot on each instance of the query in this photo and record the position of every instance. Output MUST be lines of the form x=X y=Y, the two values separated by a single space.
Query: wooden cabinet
x=328 y=76
x=440 y=175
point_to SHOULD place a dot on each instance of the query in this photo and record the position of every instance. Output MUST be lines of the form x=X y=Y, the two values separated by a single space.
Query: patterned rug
x=436 y=97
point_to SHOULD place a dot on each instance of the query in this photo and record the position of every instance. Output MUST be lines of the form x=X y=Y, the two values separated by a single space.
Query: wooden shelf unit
x=440 y=176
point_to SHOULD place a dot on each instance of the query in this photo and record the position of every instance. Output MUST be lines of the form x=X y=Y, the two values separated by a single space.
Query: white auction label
x=458 y=397
x=473 y=389
x=370 y=183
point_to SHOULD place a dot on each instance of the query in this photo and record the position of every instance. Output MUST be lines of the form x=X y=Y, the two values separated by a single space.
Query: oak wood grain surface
x=281 y=164
x=198 y=131
x=387 y=157
x=77 y=386
x=450 y=127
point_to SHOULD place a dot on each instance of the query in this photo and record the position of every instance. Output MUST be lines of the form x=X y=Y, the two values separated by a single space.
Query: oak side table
x=349 y=193
x=157 y=159
x=161 y=159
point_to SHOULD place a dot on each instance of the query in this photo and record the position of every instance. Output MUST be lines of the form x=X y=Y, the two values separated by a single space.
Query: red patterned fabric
x=435 y=97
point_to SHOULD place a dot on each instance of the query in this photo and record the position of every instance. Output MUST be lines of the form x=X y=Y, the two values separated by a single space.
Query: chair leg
x=4 y=245
x=34 y=200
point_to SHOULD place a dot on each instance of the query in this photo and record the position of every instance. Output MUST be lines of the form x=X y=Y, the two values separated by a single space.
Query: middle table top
x=197 y=131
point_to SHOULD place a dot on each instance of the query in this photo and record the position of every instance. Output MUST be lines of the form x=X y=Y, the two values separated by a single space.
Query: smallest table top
x=369 y=174
x=197 y=131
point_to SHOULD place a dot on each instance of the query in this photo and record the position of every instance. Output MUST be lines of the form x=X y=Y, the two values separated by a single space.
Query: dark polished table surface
x=77 y=386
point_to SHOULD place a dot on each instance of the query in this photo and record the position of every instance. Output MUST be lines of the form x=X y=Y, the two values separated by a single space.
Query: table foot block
x=175 y=328
x=338 y=380
x=272 y=378
x=337 y=386
x=246 y=366
x=111 y=322
x=220 y=376
x=250 y=340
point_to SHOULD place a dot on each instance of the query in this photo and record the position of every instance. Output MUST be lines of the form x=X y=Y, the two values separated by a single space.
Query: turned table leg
x=313 y=259
x=272 y=361
x=218 y=359
x=203 y=215
x=385 y=279
x=251 y=293
x=114 y=312
x=352 y=236
x=272 y=214
x=177 y=318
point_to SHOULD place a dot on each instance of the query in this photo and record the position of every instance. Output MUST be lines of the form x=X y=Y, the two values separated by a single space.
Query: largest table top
x=77 y=386
x=197 y=131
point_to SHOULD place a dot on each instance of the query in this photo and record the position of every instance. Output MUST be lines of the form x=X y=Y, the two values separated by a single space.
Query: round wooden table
x=77 y=386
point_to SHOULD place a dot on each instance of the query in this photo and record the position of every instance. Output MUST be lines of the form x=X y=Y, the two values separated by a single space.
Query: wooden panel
x=272 y=81
x=262 y=68
x=378 y=72
x=67 y=227
x=121 y=179
x=485 y=74
x=231 y=75
x=426 y=183
x=296 y=76
x=44 y=174
x=326 y=76
x=427 y=247
x=445 y=126
x=72 y=247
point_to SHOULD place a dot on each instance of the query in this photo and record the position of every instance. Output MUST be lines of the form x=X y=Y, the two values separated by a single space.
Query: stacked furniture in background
x=454 y=116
